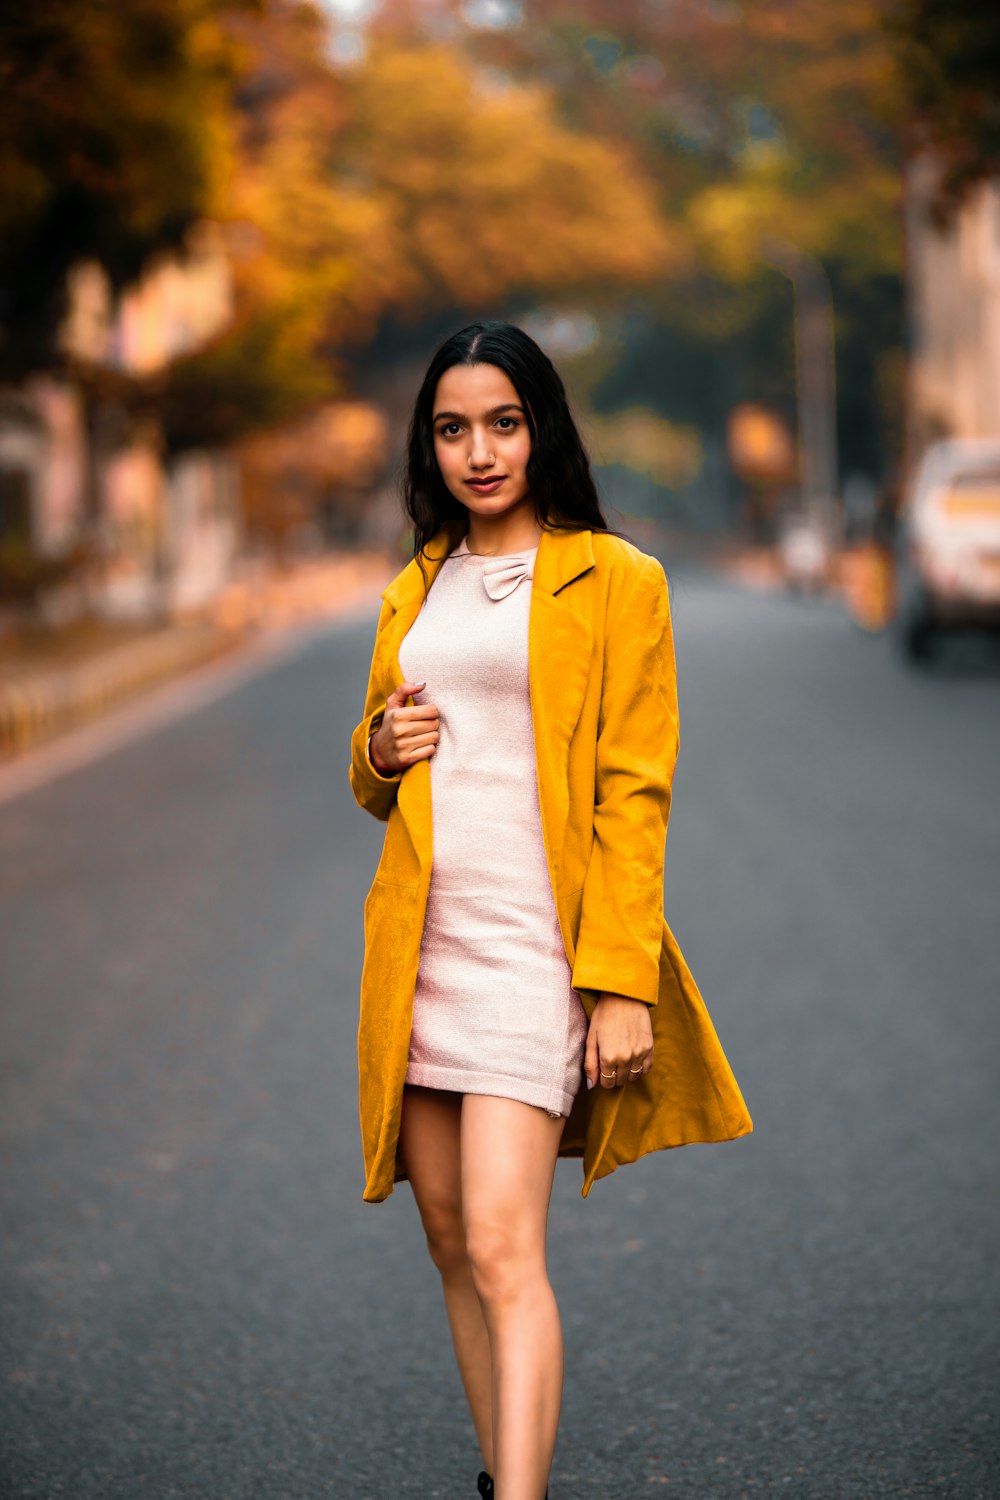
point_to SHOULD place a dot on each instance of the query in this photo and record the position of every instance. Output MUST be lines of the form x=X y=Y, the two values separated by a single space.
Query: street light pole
x=815 y=382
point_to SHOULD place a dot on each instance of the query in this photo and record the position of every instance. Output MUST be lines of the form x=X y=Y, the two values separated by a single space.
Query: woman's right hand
x=405 y=735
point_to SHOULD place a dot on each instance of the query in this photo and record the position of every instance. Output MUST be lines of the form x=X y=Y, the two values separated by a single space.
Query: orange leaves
x=497 y=193
x=422 y=184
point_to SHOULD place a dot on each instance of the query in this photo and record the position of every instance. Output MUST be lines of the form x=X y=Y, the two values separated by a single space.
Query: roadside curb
x=46 y=705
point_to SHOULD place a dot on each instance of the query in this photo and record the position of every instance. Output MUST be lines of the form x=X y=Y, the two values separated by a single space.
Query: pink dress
x=494 y=1011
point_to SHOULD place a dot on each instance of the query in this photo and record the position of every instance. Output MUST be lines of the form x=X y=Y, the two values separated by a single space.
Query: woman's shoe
x=485 y=1487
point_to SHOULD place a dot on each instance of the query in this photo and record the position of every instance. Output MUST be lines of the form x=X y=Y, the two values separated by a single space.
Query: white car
x=948 y=558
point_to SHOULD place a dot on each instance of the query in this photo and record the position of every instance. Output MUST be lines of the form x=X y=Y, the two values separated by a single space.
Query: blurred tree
x=763 y=113
x=389 y=192
x=114 y=137
x=949 y=55
x=484 y=192
x=758 y=119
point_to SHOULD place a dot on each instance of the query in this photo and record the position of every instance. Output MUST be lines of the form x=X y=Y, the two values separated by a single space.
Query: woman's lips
x=486 y=486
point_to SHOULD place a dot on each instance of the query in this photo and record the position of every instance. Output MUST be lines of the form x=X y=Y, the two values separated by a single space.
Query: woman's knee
x=504 y=1263
x=445 y=1238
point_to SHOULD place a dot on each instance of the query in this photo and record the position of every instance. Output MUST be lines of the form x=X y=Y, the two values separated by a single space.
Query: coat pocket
x=389 y=905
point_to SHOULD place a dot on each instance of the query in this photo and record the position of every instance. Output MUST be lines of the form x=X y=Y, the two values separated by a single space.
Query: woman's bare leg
x=508 y=1157
x=430 y=1142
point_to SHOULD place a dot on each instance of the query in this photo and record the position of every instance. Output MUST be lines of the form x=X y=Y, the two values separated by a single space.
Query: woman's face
x=481 y=439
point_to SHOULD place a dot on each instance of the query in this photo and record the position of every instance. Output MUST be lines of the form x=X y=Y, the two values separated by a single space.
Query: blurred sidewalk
x=55 y=679
x=757 y=567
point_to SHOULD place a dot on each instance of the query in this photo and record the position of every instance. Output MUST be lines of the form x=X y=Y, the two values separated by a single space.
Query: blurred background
x=761 y=241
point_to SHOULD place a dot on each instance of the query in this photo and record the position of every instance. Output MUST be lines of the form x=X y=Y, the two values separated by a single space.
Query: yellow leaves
x=836 y=215
x=412 y=185
x=813 y=86
x=493 y=192
x=730 y=221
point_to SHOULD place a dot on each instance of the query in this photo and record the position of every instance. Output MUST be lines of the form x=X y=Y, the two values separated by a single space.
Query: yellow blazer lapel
x=560 y=637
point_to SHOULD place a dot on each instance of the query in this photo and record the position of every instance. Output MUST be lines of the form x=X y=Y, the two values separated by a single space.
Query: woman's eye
x=450 y=429
x=511 y=424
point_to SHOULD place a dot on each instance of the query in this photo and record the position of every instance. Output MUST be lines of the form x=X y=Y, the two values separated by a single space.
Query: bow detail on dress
x=501 y=575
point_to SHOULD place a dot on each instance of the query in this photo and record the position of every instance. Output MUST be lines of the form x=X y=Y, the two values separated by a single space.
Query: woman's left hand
x=619 y=1042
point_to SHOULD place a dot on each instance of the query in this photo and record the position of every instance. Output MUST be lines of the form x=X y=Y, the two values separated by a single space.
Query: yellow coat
x=604 y=706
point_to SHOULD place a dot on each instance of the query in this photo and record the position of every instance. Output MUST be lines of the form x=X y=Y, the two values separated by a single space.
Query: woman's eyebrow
x=494 y=411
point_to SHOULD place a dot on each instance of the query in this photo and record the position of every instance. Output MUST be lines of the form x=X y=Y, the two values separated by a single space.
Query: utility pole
x=815 y=383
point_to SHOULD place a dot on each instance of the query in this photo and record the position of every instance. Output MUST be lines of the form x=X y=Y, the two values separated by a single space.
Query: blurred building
x=954 y=314
x=309 y=484
x=76 y=464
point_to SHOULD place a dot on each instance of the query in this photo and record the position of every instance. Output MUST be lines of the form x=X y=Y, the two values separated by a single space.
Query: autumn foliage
x=603 y=149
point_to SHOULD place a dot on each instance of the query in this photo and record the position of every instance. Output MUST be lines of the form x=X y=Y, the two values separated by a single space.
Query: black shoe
x=485 y=1487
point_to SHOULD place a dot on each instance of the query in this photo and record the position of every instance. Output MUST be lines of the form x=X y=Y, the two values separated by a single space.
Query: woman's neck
x=496 y=535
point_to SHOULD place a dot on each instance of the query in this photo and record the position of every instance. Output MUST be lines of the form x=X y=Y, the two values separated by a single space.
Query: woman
x=515 y=941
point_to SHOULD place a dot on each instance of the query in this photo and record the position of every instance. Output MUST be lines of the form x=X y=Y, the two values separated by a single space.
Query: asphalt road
x=195 y=1301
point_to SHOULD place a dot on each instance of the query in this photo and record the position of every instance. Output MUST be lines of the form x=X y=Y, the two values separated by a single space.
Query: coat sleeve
x=372 y=791
x=621 y=923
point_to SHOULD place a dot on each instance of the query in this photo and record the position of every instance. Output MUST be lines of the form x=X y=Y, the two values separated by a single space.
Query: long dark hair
x=559 y=478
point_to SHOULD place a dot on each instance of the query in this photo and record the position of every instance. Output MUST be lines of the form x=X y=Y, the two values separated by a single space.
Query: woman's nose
x=480 y=453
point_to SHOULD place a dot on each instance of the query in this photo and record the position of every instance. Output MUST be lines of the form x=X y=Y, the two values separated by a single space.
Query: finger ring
x=633 y=1071
x=609 y=1075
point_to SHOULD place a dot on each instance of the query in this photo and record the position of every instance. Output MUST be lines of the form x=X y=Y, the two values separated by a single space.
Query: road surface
x=196 y=1302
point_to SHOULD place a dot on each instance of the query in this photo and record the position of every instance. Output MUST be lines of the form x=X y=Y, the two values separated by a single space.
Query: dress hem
x=555 y=1101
